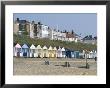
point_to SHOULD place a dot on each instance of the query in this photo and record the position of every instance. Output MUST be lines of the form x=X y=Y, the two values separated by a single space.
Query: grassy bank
x=70 y=45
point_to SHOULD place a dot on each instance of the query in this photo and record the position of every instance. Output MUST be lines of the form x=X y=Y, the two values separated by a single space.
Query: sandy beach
x=36 y=66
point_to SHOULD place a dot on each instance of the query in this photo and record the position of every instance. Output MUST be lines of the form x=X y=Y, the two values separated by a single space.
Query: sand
x=36 y=66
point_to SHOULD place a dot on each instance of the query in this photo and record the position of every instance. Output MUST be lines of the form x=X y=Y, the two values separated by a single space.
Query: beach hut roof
x=17 y=46
x=63 y=49
x=38 y=47
x=32 y=47
x=44 y=47
x=91 y=52
x=25 y=46
x=59 y=48
x=54 y=48
x=50 y=48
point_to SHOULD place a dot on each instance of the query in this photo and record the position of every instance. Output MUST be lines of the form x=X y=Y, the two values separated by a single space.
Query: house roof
x=17 y=46
x=32 y=47
x=25 y=46
x=69 y=35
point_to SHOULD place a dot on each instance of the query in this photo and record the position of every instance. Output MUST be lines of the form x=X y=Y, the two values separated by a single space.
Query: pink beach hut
x=17 y=50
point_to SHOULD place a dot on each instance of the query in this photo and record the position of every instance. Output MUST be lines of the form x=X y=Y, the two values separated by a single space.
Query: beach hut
x=76 y=54
x=25 y=50
x=68 y=53
x=39 y=51
x=32 y=51
x=54 y=52
x=17 y=50
x=45 y=52
x=59 y=52
x=72 y=54
x=63 y=52
x=50 y=52
x=91 y=55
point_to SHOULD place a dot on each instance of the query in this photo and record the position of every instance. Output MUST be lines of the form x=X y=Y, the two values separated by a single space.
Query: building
x=89 y=39
x=71 y=37
x=21 y=27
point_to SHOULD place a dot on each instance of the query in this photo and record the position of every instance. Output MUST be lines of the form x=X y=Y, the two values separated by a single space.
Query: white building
x=42 y=31
x=31 y=30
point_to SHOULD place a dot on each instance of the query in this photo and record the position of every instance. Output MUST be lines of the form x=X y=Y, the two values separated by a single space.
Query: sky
x=81 y=23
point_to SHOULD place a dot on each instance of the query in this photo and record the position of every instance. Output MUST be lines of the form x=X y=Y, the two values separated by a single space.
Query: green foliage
x=70 y=45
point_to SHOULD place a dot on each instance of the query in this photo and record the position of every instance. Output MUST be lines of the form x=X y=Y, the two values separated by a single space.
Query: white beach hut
x=17 y=50
x=45 y=52
x=39 y=51
x=63 y=52
x=32 y=51
x=91 y=54
x=59 y=52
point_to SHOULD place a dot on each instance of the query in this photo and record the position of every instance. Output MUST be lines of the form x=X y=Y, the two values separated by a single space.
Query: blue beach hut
x=68 y=53
x=25 y=50
x=72 y=53
x=76 y=54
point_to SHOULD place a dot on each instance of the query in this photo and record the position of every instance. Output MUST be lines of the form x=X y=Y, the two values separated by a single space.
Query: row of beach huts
x=49 y=52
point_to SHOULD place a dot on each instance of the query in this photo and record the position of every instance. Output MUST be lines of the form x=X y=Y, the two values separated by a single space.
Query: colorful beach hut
x=39 y=51
x=32 y=51
x=68 y=53
x=25 y=50
x=50 y=52
x=59 y=52
x=45 y=51
x=17 y=50
x=72 y=54
x=55 y=52
x=76 y=54
x=63 y=52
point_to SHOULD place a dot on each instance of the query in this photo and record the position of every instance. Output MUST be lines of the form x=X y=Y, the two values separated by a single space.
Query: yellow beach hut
x=45 y=52
x=55 y=52
x=50 y=52
x=32 y=51
x=39 y=51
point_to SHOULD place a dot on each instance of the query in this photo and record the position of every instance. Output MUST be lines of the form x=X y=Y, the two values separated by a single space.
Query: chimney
x=17 y=19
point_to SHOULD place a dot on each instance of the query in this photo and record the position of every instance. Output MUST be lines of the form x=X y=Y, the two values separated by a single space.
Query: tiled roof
x=69 y=35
